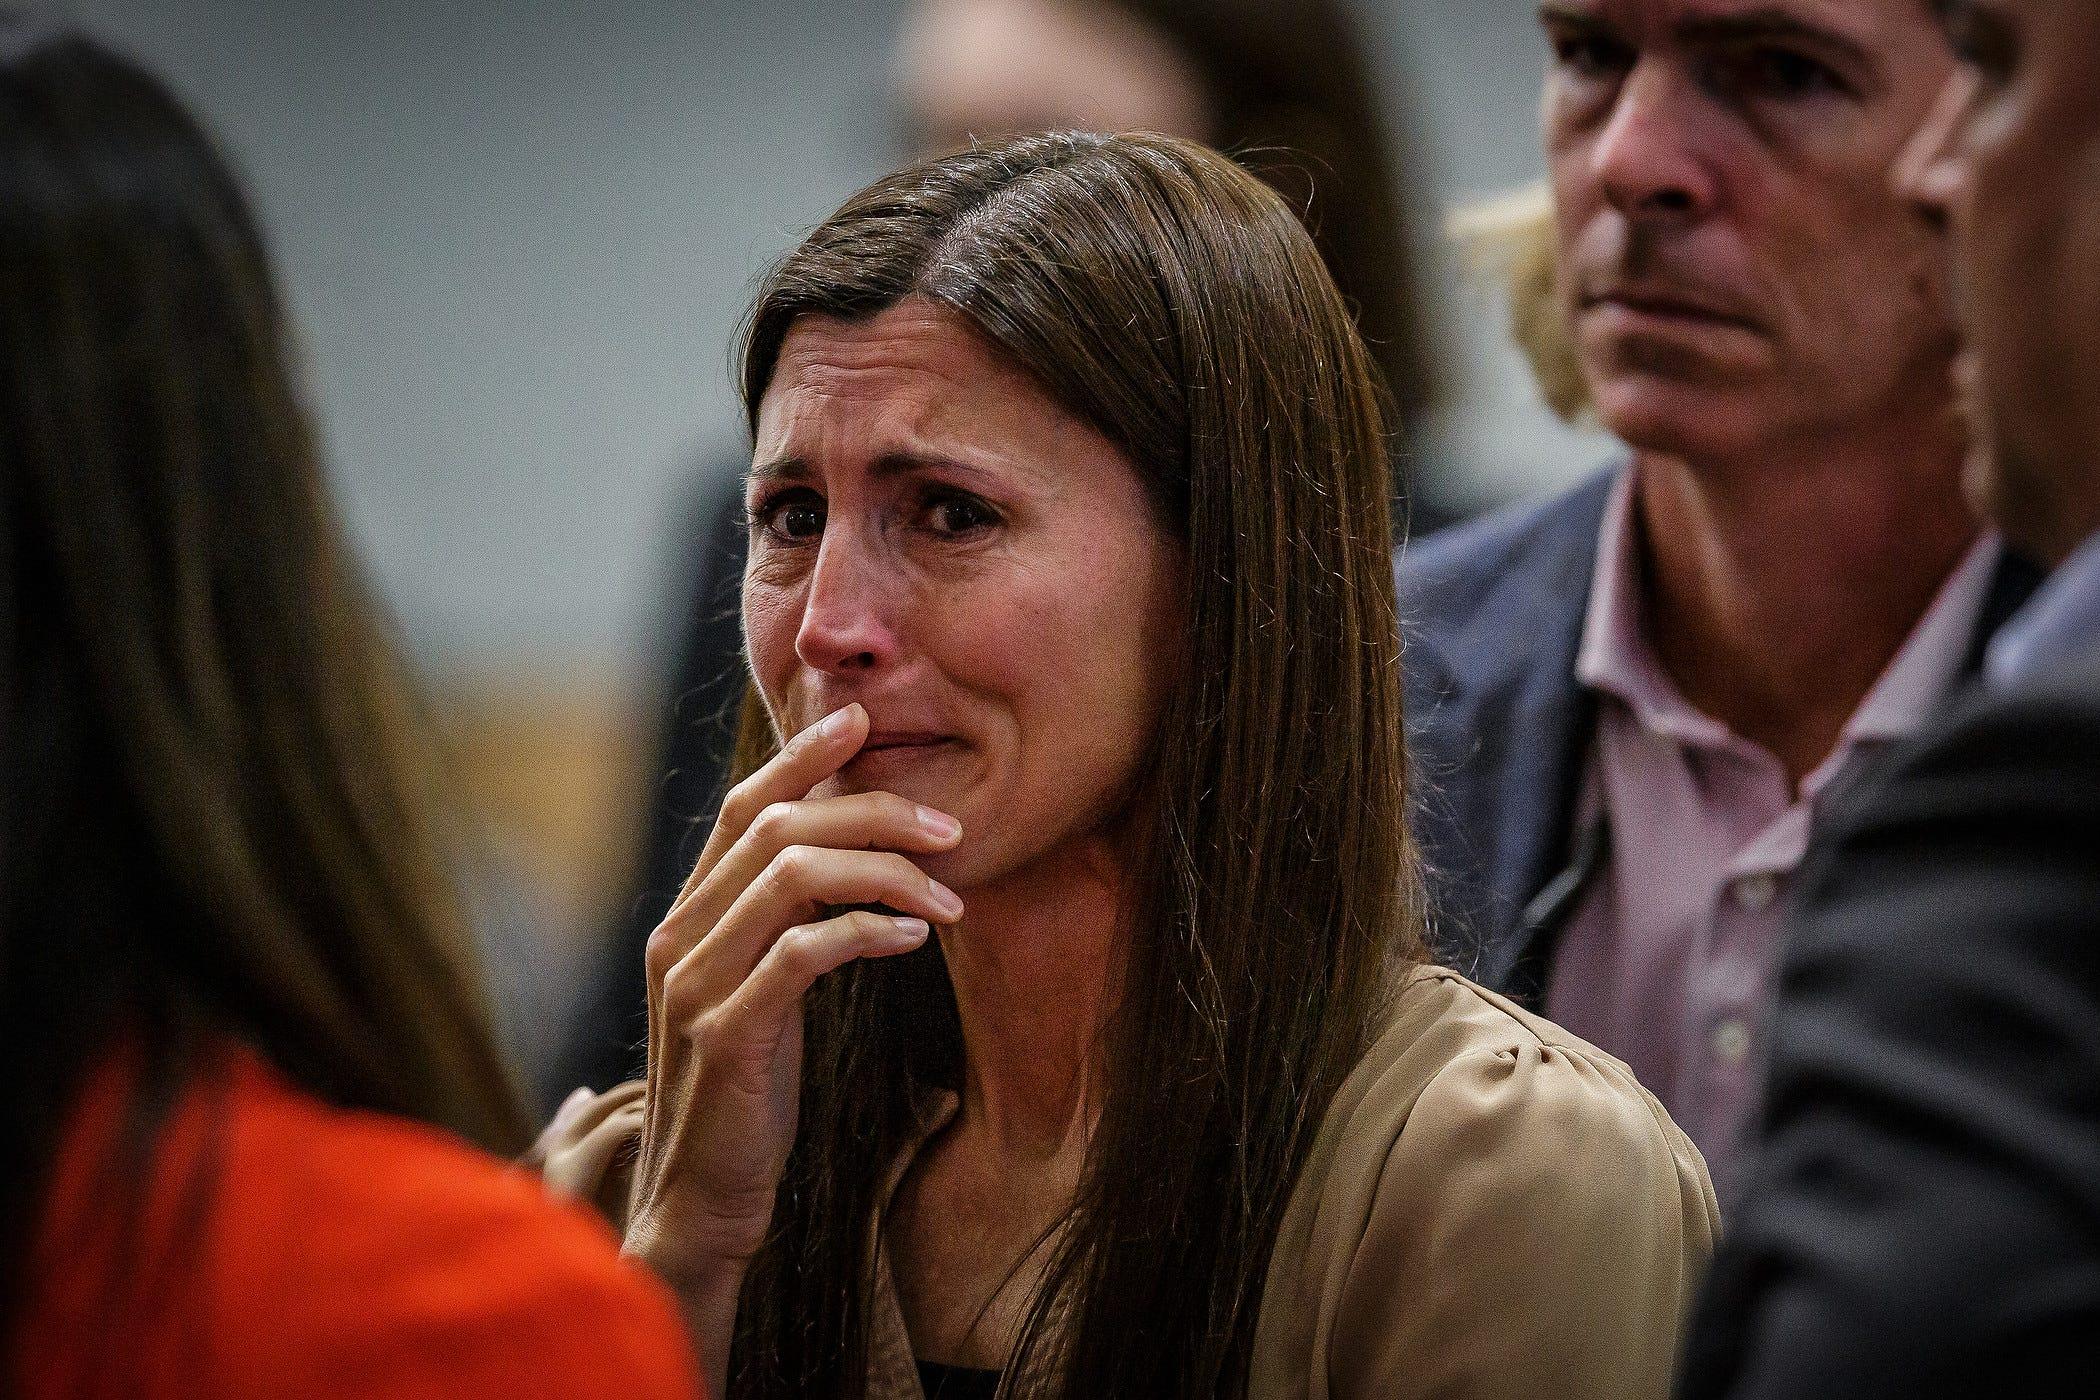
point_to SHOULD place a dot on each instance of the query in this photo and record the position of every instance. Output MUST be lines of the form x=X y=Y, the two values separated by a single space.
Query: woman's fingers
x=585 y=1110
x=797 y=884
x=773 y=993
x=859 y=821
x=577 y=1117
x=728 y=969
x=804 y=761
x=713 y=1145
x=579 y=1171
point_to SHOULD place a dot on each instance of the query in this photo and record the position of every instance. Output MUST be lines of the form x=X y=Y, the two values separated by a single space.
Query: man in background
x=1630 y=704
x=1925 y=1217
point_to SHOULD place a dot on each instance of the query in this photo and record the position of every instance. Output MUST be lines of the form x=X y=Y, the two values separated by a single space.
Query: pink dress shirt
x=1667 y=958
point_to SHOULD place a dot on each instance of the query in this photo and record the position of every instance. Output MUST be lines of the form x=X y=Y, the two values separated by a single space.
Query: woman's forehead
x=914 y=345
x=916 y=373
x=884 y=419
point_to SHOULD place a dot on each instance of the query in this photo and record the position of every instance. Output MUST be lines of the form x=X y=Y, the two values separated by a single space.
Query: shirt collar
x=1616 y=657
x=2061 y=620
x=1922 y=673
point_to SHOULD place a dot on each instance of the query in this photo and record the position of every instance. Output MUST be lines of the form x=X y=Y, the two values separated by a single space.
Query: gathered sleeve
x=1508 y=1224
x=1539 y=1229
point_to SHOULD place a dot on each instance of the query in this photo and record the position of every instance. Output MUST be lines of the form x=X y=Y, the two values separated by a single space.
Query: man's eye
x=795 y=516
x=1984 y=45
x=1591 y=55
x=1781 y=73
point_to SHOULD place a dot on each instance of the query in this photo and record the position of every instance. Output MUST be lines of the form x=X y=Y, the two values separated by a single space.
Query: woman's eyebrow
x=888 y=465
x=907 y=463
x=779 y=469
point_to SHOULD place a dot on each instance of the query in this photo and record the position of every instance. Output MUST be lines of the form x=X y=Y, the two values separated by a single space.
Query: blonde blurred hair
x=1507 y=242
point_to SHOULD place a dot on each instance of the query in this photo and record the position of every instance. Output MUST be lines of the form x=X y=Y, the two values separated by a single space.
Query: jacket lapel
x=1498 y=729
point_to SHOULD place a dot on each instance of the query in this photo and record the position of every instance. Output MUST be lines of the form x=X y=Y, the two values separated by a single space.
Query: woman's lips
x=898 y=750
x=881 y=740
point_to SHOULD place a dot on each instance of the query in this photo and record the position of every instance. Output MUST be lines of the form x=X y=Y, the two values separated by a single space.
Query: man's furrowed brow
x=1559 y=14
x=1774 y=24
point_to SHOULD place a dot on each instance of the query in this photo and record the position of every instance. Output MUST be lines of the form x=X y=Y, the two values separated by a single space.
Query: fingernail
x=833 y=723
x=944 y=899
x=938 y=825
x=913 y=929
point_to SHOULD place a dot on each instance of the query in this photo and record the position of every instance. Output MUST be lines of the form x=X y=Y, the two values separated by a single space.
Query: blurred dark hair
x=216 y=822
x=1291 y=94
x=1171 y=301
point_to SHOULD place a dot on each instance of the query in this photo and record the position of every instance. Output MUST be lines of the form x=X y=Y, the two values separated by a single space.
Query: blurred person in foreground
x=1069 y=605
x=1631 y=703
x=1285 y=85
x=1924 y=1221
x=246 y=1054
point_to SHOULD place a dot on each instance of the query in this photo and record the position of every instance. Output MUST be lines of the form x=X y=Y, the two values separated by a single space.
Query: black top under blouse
x=956 y=1382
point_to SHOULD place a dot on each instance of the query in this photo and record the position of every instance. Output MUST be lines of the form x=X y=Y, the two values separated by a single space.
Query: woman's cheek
x=772 y=617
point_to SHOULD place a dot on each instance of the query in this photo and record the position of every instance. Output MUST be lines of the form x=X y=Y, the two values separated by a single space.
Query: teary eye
x=791 y=516
x=957 y=513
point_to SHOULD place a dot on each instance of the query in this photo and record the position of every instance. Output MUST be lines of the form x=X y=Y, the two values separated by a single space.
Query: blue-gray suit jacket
x=1499 y=729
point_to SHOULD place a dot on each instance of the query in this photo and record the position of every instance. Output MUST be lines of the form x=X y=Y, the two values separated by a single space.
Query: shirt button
x=1732 y=1041
x=1756 y=892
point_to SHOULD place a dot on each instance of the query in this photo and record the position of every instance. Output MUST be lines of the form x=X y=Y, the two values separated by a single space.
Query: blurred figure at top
x=1632 y=702
x=246 y=1051
x=1284 y=85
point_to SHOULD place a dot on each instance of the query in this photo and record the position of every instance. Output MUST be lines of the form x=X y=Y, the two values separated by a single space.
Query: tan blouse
x=1492 y=1210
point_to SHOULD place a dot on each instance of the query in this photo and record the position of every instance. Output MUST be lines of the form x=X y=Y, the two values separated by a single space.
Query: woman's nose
x=846 y=613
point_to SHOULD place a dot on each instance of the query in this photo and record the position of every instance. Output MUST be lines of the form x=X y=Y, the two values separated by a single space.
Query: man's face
x=2010 y=163
x=1739 y=274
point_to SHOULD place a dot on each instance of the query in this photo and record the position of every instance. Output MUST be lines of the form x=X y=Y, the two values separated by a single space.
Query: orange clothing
x=281 y=1246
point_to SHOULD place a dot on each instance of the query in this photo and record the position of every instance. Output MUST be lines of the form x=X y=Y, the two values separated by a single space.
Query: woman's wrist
x=707 y=1296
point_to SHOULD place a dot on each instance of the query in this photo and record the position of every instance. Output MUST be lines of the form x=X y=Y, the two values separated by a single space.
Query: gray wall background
x=518 y=237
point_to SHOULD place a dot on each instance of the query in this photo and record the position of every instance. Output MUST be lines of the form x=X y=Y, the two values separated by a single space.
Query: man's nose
x=846 y=624
x=1644 y=158
x=1928 y=173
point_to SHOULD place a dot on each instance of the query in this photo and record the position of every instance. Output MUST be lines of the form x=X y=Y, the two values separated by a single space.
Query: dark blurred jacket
x=1499 y=729
x=1925 y=1218
x=689 y=767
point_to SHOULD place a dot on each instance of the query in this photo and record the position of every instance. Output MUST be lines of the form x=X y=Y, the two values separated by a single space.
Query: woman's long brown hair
x=217 y=824
x=1173 y=302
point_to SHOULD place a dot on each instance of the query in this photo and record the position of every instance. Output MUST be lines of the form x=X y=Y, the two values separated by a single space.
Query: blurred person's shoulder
x=283 y=1245
x=1968 y=853
x=457 y=1251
